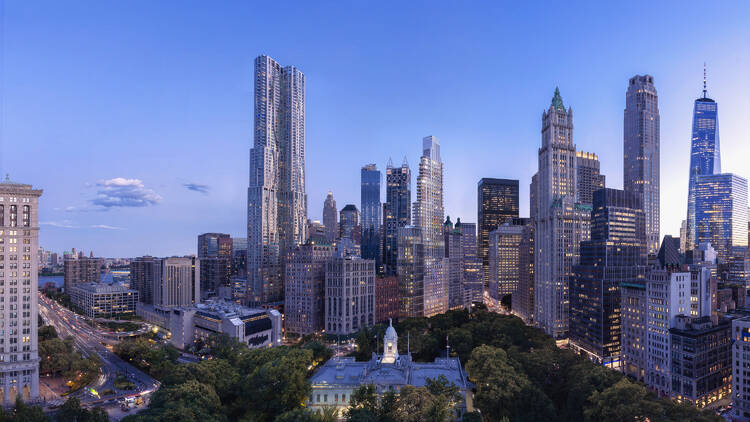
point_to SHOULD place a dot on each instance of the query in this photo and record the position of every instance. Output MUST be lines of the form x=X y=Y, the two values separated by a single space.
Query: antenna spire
x=704 y=80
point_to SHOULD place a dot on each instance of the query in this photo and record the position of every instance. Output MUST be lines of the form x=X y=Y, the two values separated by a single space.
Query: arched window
x=13 y=215
x=26 y=215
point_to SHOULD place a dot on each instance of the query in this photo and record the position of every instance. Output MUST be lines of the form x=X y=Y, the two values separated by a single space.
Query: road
x=89 y=342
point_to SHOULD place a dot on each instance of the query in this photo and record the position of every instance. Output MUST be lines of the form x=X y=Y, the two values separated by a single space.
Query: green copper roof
x=557 y=101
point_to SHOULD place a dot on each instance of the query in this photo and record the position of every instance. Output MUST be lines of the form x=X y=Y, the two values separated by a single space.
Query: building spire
x=557 y=102
x=390 y=163
x=704 y=81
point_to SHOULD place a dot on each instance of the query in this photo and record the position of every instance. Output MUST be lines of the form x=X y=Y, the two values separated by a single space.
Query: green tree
x=46 y=332
x=499 y=384
x=623 y=402
x=473 y=417
x=188 y=402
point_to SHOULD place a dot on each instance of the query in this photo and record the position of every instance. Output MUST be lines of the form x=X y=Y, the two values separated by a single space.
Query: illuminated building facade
x=497 y=201
x=396 y=212
x=304 y=289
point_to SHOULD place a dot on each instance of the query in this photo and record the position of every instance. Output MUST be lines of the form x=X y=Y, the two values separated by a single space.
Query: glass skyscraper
x=370 y=208
x=497 y=201
x=721 y=216
x=704 y=156
x=397 y=211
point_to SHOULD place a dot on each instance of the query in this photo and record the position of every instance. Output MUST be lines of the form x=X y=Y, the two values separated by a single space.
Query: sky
x=135 y=117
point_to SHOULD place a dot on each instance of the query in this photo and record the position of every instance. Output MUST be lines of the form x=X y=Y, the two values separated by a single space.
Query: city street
x=89 y=342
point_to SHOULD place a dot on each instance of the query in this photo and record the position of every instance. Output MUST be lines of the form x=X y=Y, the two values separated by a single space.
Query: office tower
x=473 y=275
x=633 y=334
x=683 y=237
x=349 y=222
x=180 y=283
x=370 y=197
x=505 y=258
x=428 y=217
x=330 y=218
x=533 y=196
x=239 y=257
x=454 y=268
x=721 y=219
x=701 y=359
x=615 y=254
x=349 y=309
x=211 y=245
x=81 y=269
x=669 y=252
x=276 y=198
x=397 y=211
x=705 y=157
x=641 y=151
x=316 y=232
x=497 y=201
x=522 y=301
x=19 y=360
x=561 y=223
x=740 y=362
x=215 y=253
x=410 y=272
x=588 y=177
x=145 y=273
x=386 y=298
x=304 y=288
x=669 y=294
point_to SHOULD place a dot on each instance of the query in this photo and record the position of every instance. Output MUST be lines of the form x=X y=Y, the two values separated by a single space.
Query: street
x=89 y=342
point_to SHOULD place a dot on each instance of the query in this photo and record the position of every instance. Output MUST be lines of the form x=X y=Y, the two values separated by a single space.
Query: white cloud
x=121 y=192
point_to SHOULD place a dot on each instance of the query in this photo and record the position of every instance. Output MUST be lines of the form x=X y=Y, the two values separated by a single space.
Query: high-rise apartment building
x=211 y=245
x=588 y=177
x=78 y=268
x=386 y=298
x=180 y=283
x=428 y=217
x=304 y=290
x=145 y=273
x=239 y=257
x=349 y=295
x=371 y=219
x=641 y=151
x=410 y=272
x=276 y=198
x=633 y=334
x=330 y=218
x=497 y=201
x=396 y=212
x=473 y=277
x=705 y=157
x=505 y=258
x=19 y=233
x=721 y=218
x=561 y=224
x=615 y=254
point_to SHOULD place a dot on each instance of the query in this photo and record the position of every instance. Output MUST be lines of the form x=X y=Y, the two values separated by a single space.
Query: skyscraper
x=472 y=279
x=145 y=273
x=397 y=211
x=428 y=217
x=497 y=201
x=304 y=290
x=705 y=158
x=522 y=302
x=505 y=257
x=615 y=254
x=454 y=269
x=276 y=198
x=588 y=177
x=330 y=218
x=562 y=223
x=721 y=218
x=410 y=272
x=349 y=223
x=641 y=151
x=19 y=358
x=215 y=253
x=370 y=206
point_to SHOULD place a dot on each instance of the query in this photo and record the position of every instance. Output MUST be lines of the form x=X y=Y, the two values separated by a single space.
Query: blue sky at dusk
x=135 y=117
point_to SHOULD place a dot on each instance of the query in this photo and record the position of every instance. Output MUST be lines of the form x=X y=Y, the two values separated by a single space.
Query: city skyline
x=125 y=195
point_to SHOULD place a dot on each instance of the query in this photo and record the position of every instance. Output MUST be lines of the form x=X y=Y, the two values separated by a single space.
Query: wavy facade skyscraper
x=276 y=198
x=705 y=158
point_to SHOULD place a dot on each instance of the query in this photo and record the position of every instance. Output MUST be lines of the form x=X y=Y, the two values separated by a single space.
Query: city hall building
x=335 y=382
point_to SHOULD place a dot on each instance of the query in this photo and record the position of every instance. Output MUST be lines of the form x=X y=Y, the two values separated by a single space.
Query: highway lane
x=89 y=341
